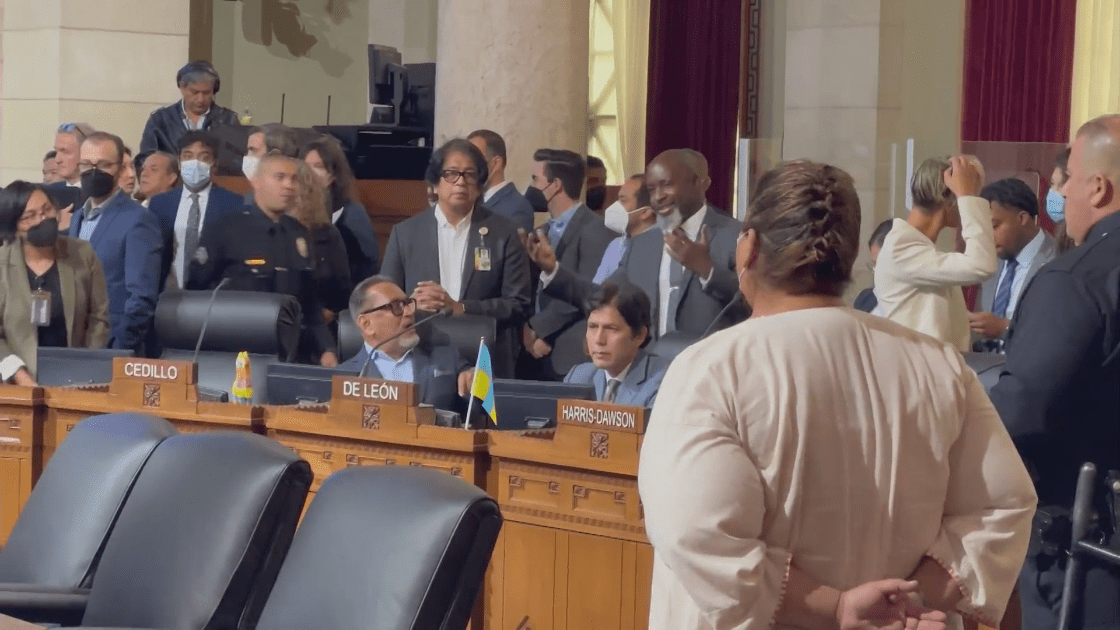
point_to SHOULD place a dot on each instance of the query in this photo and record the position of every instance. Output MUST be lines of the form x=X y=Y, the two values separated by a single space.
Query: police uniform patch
x=301 y=246
x=200 y=256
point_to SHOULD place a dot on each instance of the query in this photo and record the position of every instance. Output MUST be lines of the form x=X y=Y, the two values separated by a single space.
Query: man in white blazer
x=1022 y=246
x=919 y=286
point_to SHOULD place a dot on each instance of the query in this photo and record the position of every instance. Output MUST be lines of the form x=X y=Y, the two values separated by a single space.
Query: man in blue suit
x=381 y=309
x=501 y=195
x=184 y=211
x=617 y=328
x=126 y=239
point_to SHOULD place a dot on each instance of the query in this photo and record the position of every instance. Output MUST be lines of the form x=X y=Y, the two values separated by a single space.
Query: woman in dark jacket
x=329 y=164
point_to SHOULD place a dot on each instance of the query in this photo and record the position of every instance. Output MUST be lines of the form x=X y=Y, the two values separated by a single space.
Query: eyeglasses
x=451 y=176
x=103 y=165
x=71 y=128
x=398 y=307
x=36 y=216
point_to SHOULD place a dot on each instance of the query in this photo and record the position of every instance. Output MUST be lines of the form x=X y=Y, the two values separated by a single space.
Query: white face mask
x=249 y=165
x=617 y=218
x=195 y=174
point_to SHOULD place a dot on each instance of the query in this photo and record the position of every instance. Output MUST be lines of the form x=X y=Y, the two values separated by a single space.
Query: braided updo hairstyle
x=807 y=217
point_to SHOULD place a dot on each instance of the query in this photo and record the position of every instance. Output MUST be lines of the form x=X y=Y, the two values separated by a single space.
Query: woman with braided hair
x=820 y=467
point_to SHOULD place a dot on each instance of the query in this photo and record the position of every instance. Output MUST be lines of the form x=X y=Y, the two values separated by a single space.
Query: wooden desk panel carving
x=21 y=450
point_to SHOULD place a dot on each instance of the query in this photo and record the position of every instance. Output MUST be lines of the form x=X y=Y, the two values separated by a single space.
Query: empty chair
x=393 y=548
x=58 y=539
x=198 y=543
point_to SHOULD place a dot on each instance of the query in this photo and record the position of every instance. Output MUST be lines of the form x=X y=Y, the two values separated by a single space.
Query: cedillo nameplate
x=155 y=370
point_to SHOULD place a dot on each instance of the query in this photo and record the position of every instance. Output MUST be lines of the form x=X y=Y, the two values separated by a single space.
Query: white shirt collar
x=493 y=191
x=692 y=226
x=621 y=375
x=441 y=219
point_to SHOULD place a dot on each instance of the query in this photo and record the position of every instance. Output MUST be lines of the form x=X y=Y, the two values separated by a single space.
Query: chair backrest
x=463 y=332
x=258 y=323
x=200 y=541
x=987 y=366
x=393 y=548
x=669 y=345
x=62 y=529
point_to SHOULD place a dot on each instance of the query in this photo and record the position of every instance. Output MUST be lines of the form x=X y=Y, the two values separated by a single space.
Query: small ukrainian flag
x=483 y=386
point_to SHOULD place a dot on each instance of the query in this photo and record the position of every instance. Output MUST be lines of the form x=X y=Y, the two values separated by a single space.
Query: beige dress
x=846 y=442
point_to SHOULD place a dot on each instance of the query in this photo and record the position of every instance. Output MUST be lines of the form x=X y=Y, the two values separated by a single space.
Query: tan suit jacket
x=84 y=300
x=919 y=286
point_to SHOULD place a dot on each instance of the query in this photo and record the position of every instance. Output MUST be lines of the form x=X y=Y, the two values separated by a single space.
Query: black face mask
x=45 y=234
x=97 y=183
x=596 y=198
x=536 y=199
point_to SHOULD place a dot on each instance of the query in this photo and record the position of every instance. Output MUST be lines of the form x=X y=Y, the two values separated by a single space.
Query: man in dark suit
x=1022 y=248
x=501 y=194
x=461 y=256
x=1058 y=391
x=381 y=309
x=184 y=211
x=126 y=239
x=66 y=193
x=617 y=329
x=687 y=267
x=198 y=82
x=553 y=337
x=866 y=300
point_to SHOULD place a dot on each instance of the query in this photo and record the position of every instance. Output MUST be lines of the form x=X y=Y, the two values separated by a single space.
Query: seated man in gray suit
x=1022 y=248
x=381 y=309
x=617 y=328
x=687 y=267
x=501 y=195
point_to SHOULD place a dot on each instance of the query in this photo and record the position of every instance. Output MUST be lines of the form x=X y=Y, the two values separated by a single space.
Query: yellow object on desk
x=242 y=389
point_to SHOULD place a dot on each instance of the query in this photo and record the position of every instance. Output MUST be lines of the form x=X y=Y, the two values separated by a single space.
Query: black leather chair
x=393 y=548
x=266 y=325
x=61 y=532
x=669 y=345
x=198 y=544
x=463 y=332
x=987 y=366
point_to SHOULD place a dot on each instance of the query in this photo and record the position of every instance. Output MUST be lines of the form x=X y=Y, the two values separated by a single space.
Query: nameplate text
x=149 y=370
x=374 y=390
x=601 y=416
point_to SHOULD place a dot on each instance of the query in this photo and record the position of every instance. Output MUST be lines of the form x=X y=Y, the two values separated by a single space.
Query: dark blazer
x=84 y=301
x=638 y=388
x=502 y=293
x=332 y=269
x=559 y=323
x=220 y=203
x=362 y=250
x=641 y=265
x=129 y=244
x=165 y=126
x=437 y=375
x=866 y=300
x=1046 y=252
x=511 y=204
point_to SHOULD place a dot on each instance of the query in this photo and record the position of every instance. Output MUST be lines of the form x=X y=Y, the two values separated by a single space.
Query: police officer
x=1059 y=393
x=262 y=248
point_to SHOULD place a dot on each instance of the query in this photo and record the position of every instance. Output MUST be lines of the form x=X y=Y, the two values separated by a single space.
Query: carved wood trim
x=570 y=518
x=151 y=395
x=600 y=445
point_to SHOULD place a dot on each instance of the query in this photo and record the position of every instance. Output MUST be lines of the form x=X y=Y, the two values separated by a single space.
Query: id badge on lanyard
x=41 y=308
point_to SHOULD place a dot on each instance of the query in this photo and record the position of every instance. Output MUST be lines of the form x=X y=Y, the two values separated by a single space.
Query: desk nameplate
x=601 y=416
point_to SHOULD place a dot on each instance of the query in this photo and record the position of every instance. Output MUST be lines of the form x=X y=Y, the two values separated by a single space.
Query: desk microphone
x=734 y=299
x=444 y=312
x=206 y=320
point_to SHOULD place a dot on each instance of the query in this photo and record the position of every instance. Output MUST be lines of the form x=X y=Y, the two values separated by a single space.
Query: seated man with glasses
x=127 y=241
x=381 y=309
x=460 y=255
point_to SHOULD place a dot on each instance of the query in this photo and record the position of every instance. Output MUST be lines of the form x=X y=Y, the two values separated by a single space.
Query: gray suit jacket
x=511 y=204
x=641 y=265
x=84 y=300
x=640 y=386
x=559 y=323
x=1046 y=253
x=436 y=372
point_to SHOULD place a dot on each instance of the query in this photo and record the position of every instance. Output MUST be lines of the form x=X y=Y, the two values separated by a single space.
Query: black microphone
x=734 y=300
x=206 y=320
x=443 y=312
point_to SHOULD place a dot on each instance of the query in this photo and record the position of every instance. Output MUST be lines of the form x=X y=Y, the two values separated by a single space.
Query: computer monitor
x=388 y=83
x=525 y=405
x=292 y=384
x=76 y=366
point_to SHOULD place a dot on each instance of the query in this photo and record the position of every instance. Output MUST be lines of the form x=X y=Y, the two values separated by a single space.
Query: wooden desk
x=21 y=450
x=573 y=551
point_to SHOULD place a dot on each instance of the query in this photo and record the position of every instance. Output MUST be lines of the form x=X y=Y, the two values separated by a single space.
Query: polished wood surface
x=21 y=450
x=11 y=623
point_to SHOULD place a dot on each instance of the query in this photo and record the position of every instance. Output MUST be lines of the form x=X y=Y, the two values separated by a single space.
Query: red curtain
x=1018 y=72
x=694 y=55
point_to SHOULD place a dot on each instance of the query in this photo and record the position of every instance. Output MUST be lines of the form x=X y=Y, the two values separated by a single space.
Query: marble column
x=518 y=67
x=108 y=63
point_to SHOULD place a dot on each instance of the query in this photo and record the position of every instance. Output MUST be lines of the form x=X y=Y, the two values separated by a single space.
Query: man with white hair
x=1058 y=393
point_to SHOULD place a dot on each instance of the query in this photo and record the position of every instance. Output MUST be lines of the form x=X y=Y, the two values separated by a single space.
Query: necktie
x=1003 y=292
x=190 y=242
x=676 y=278
x=612 y=390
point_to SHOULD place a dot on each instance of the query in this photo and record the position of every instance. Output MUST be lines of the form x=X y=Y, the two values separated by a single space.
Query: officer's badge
x=301 y=246
x=200 y=256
